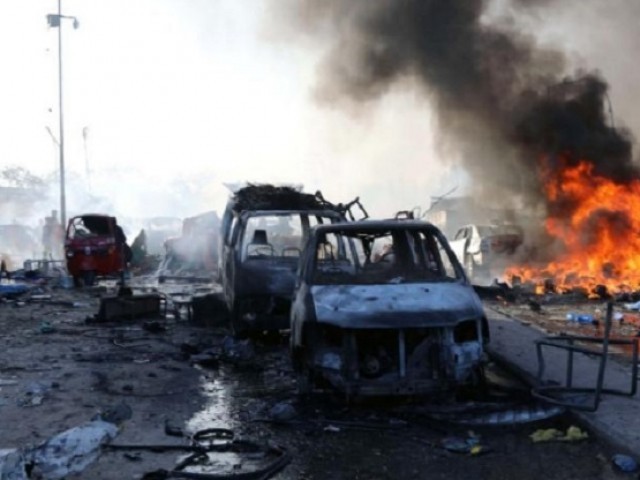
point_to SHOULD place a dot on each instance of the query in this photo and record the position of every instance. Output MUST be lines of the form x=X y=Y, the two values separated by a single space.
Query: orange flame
x=596 y=221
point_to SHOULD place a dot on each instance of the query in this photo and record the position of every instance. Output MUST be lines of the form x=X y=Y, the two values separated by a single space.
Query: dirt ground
x=58 y=372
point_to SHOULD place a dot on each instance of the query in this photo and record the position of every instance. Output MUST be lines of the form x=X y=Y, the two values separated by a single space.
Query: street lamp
x=55 y=20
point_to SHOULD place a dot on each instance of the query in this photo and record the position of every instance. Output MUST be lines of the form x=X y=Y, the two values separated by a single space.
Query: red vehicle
x=95 y=245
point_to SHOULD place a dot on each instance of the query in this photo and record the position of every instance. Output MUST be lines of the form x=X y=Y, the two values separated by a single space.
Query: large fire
x=595 y=225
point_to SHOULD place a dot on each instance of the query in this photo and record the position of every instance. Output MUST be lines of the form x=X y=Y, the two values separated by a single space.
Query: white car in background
x=478 y=247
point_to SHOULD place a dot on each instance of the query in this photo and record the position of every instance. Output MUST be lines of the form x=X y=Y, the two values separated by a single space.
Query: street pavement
x=617 y=419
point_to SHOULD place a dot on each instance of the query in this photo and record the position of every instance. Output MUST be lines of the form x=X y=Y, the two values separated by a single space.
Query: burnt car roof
x=270 y=197
x=103 y=215
x=255 y=213
x=372 y=225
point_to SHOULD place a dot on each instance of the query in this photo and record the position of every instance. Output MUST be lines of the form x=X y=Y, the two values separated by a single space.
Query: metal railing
x=572 y=344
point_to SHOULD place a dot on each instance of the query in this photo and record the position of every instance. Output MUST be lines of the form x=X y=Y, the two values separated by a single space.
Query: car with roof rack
x=263 y=230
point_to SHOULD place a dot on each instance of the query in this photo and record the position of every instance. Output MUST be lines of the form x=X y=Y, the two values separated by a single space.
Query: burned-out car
x=481 y=246
x=384 y=308
x=262 y=232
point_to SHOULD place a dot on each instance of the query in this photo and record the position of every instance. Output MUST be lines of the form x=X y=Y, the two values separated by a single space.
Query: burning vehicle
x=263 y=230
x=384 y=308
x=481 y=246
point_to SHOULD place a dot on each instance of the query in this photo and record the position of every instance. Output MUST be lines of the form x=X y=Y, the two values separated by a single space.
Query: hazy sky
x=178 y=96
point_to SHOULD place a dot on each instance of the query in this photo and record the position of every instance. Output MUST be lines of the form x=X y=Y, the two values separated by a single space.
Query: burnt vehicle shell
x=393 y=338
x=258 y=285
x=258 y=291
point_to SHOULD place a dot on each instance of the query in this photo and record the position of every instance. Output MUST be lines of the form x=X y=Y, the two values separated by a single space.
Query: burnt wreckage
x=263 y=230
x=384 y=308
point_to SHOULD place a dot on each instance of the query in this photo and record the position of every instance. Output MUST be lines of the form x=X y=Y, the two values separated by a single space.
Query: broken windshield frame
x=382 y=256
x=281 y=234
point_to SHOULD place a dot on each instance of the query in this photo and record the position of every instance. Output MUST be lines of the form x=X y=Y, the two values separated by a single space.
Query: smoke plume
x=501 y=100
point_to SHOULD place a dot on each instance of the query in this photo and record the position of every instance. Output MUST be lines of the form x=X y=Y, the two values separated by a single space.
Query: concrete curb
x=617 y=420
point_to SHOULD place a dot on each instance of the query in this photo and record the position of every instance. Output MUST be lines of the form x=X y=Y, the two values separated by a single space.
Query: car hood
x=395 y=306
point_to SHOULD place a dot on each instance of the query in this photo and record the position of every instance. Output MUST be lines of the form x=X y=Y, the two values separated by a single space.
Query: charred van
x=262 y=233
x=384 y=308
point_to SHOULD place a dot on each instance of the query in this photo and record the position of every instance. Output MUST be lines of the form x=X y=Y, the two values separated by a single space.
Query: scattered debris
x=283 y=412
x=207 y=442
x=470 y=444
x=46 y=327
x=583 y=318
x=493 y=414
x=331 y=429
x=238 y=350
x=12 y=464
x=573 y=434
x=71 y=451
x=35 y=393
x=14 y=290
x=632 y=306
x=624 y=463
x=64 y=454
x=114 y=308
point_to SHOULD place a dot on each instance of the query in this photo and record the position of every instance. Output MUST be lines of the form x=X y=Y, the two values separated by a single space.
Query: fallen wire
x=213 y=440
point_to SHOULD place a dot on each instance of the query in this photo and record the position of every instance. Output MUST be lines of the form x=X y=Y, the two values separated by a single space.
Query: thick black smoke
x=501 y=101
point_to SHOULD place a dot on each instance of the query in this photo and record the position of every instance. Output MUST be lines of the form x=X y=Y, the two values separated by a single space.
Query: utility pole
x=55 y=20
x=87 y=170
x=63 y=195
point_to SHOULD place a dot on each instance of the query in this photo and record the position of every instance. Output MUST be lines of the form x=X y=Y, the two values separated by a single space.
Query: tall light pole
x=55 y=20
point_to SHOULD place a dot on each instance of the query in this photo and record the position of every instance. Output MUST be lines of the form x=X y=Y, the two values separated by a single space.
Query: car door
x=475 y=241
x=459 y=243
x=301 y=295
